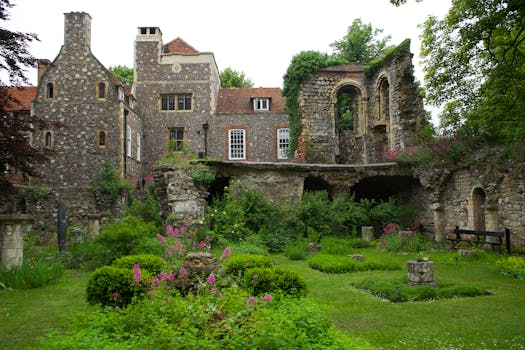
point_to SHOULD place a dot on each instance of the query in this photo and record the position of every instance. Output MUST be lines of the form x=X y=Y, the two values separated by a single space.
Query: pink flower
x=255 y=276
x=201 y=244
x=252 y=301
x=227 y=253
x=182 y=272
x=161 y=239
x=163 y=275
x=211 y=279
x=169 y=230
x=136 y=273
x=267 y=297
x=115 y=296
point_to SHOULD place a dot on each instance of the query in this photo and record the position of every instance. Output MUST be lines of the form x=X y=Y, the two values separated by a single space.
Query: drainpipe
x=205 y=127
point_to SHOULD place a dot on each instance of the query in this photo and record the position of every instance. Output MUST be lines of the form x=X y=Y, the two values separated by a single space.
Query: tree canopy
x=231 y=78
x=15 y=148
x=474 y=64
x=361 y=43
x=124 y=74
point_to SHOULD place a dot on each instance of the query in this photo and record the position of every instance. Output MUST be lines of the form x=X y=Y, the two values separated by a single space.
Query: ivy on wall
x=305 y=64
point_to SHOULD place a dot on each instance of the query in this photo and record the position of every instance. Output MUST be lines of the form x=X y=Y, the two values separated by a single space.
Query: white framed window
x=283 y=143
x=261 y=104
x=237 y=144
x=128 y=141
x=139 y=146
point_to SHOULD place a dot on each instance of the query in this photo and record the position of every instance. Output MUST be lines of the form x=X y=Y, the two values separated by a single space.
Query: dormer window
x=261 y=104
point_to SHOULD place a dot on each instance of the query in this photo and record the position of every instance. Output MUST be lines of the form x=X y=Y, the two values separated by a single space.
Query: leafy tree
x=124 y=74
x=360 y=44
x=231 y=78
x=15 y=148
x=474 y=63
x=401 y=2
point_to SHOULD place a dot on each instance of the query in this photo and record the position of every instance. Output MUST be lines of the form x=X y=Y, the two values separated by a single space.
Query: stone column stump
x=367 y=233
x=421 y=273
x=12 y=229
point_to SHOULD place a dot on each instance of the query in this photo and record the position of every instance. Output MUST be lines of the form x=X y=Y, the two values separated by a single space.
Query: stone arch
x=381 y=129
x=478 y=198
x=357 y=93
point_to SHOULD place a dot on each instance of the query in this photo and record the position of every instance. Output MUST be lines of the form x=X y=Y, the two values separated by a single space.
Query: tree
x=361 y=43
x=124 y=74
x=15 y=148
x=474 y=64
x=231 y=78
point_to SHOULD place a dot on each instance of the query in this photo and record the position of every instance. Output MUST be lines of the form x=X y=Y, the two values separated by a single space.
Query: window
x=236 y=144
x=175 y=102
x=261 y=104
x=138 y=147
x=101 y=90
x=121 y=95
x=176 y=139
x=48 y=139
x=50 y=90
x=101 y=139
x=283 y=143
x=128 y=141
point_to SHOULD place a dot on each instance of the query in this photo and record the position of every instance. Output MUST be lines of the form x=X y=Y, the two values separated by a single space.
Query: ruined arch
x=381 y=128
x=348 y=96
x=478 y=198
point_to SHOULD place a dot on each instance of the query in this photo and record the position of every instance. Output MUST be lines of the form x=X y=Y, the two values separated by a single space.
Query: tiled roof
x=22 y=96
x=239 y=100
x=179 y=46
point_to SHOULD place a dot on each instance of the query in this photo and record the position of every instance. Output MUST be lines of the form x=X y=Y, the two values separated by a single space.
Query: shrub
x=341 y=246
x=238 y=264
x=396 y=240
x=297 y=251
x=121 y=238
x=247 y=247
x=148 y=210
x=341 y=264
x=114 y=286
x=277 y=280
x=152 y=263
x=31 y=275
x=397 y=290
x=512 y=266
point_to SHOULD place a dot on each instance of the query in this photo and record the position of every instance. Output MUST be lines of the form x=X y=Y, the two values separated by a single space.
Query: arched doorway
x=478 y=209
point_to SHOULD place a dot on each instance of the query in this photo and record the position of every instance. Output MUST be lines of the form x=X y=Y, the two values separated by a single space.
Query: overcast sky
x=256 y=37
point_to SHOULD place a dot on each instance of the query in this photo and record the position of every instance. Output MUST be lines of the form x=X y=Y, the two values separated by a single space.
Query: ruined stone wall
x=503 y=205
x=388 y=112
x=261 y=134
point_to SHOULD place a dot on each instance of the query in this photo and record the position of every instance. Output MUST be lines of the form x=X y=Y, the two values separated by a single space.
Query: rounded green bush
x=151 y=263
x=238 y=264
x=110 y=285
x=261 y=280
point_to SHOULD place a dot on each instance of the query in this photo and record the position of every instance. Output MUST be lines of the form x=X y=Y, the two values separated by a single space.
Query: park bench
x=476 y=237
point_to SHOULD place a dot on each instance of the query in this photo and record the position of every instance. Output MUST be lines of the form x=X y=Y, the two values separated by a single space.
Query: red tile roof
x=239 y=100
x=22 y=97
x=179 y=46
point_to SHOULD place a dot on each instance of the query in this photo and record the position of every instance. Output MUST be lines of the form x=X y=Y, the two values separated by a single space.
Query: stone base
x=356 y=257
x=421 y=273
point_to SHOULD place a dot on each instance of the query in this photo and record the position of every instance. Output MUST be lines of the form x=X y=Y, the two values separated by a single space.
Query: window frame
x=100 y=134
x=102 y=87
x=50 y=90
x=178 y=142
x=179 y=102
x=139 y=147
x=280 y=146
x=129 y=141
x=261 y=104
x=46 y=134
x=243 y=132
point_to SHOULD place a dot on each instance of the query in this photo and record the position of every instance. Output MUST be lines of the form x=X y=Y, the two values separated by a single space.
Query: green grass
x=485 y=322
x=27 y=314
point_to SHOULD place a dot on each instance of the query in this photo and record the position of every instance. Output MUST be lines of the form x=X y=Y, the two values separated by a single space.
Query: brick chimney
x=77 y=31
x=43 y=65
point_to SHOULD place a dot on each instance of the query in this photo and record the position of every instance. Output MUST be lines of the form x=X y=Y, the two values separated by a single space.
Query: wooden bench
x=476 y=237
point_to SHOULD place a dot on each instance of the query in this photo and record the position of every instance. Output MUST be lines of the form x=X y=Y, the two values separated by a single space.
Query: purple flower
x=161 y=239
x=227 y=253
x=252 y=301
x=136 y=273
x=182 y=272
x=255 y=276
x=115 y=296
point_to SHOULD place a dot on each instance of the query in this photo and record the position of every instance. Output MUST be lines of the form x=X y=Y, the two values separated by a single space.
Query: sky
x=258 y=38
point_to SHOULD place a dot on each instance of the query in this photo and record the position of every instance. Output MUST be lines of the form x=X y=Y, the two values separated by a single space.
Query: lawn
x=487 y=322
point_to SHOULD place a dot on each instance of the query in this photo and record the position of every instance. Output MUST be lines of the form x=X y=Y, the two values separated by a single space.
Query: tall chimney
x=43 y=65
x=77 y=31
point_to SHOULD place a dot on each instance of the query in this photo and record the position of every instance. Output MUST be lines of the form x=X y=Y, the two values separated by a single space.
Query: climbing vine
x=390 y=54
